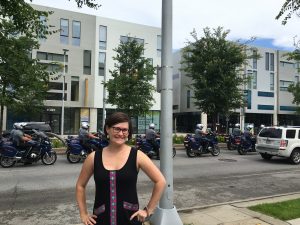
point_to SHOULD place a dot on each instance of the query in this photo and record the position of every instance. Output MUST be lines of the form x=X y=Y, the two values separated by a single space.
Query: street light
x=63 y=95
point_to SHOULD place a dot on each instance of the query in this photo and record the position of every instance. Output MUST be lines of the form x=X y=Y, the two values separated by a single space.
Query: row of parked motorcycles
x=241 y=144
x=41 y=149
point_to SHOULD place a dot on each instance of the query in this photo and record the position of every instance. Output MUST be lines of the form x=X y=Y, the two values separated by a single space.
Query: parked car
x=279 y=141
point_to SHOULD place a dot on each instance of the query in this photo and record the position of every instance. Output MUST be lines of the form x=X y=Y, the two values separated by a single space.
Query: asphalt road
x=38 y=194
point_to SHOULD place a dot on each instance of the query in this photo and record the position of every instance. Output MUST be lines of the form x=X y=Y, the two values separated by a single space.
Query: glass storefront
x=139 y=124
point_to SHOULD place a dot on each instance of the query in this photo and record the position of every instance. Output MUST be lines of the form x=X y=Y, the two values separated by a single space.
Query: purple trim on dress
x=130 y=206
x=113 y=198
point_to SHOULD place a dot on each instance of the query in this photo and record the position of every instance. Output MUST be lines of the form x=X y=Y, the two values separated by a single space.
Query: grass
x=286 y=210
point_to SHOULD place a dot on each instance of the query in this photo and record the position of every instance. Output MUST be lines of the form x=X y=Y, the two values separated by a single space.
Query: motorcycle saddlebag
x=9 y=151
x=75 y=149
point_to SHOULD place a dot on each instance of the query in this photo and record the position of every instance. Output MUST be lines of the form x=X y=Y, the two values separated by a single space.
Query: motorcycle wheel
x=215 y=150
x=7 y=162
x=73 y=158
x=49 y=159
x=241 y=150
x=174 y=152
x=189 y=153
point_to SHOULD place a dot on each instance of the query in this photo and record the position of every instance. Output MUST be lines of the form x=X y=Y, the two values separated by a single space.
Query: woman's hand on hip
x=89 y=219
x=141 y=215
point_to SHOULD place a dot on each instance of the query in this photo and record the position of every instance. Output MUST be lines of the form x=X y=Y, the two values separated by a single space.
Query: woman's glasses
x=118 y=129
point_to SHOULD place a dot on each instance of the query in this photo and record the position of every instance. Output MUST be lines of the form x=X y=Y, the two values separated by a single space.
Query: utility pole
x=63 y=95
x=166 y=213
x=104 y=102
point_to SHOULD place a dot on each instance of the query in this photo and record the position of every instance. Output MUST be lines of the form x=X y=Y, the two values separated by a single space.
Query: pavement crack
x=15 y=196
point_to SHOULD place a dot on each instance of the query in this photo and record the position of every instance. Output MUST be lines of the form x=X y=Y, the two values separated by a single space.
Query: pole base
x=165 y=217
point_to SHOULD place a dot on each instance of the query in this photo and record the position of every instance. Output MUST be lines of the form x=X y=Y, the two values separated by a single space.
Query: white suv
x=279 y=141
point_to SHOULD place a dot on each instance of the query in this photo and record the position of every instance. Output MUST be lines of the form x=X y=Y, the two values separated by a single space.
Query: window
x=271 y=133
x=249 y=76
x=296 y=79
x=290 y=134
x=102 y=59
x=284 y=84
x=102 y=37
x=254 y=80
x=272 y=81
x=286 y=64
x=74 y=88
x=267 y=61
x=254 y=59
x=272 y=61
x=158 y=45
x=87 y=59
x=64 y=31
x=55 y=96
x=56 y=86
x=76 y=33
x=51 y=56
x=188 y=99
x=54 y=67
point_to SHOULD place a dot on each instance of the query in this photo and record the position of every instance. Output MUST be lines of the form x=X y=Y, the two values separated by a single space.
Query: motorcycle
x=76 y=152
x=40 y=149
x=197 y=147
x=246 y=145
x=146 y=147
x=233 y=141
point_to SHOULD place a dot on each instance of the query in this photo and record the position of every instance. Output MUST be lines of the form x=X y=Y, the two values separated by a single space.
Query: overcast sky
x=244 y=19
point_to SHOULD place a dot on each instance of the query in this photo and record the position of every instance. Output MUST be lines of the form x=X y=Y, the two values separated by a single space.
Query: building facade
x=84 y=46
x=267 y=100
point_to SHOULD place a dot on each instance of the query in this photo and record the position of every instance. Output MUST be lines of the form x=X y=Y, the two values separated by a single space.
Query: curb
x=251 y=201
x=188 y=209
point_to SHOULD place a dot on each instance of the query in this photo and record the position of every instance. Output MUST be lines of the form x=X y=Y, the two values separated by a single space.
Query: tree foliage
x=131 y=89
x=288 y=8
x=295 y=90
x=214 y=65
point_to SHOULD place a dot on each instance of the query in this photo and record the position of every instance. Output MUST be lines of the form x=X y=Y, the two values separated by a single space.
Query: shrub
x=56 y=143
x=178 y=139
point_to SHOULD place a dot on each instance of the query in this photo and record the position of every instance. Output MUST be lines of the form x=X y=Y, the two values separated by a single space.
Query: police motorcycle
x=248 y=142
x=40 y=149
x=233 y=141
x=76 y=152
x=142 y=144
x=198 y=146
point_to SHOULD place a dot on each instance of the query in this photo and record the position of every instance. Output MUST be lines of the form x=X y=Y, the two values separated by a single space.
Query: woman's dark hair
x=118 y=117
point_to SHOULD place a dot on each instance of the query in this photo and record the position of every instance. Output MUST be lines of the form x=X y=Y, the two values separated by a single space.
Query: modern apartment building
x=84 y=45
x=268 y=101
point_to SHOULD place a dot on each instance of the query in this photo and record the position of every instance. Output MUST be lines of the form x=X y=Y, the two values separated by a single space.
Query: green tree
x=295 y=90
x=131 y=89
x=288 y=8
x=215 y=66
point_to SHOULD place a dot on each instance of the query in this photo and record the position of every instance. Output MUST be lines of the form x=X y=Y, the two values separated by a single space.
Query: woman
x=115 y=170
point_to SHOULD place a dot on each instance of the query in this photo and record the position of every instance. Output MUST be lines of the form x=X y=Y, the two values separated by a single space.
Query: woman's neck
x=116 y=147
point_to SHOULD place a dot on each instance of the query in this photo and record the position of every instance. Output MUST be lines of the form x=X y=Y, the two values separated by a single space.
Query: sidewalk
x=235 y=213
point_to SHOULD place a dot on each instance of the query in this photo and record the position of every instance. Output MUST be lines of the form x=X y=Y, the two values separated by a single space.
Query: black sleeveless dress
x=116 y=194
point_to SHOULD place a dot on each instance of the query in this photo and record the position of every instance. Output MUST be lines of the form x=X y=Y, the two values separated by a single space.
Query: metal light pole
x=63 y=95
x=104 y=104
x=166 y=213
